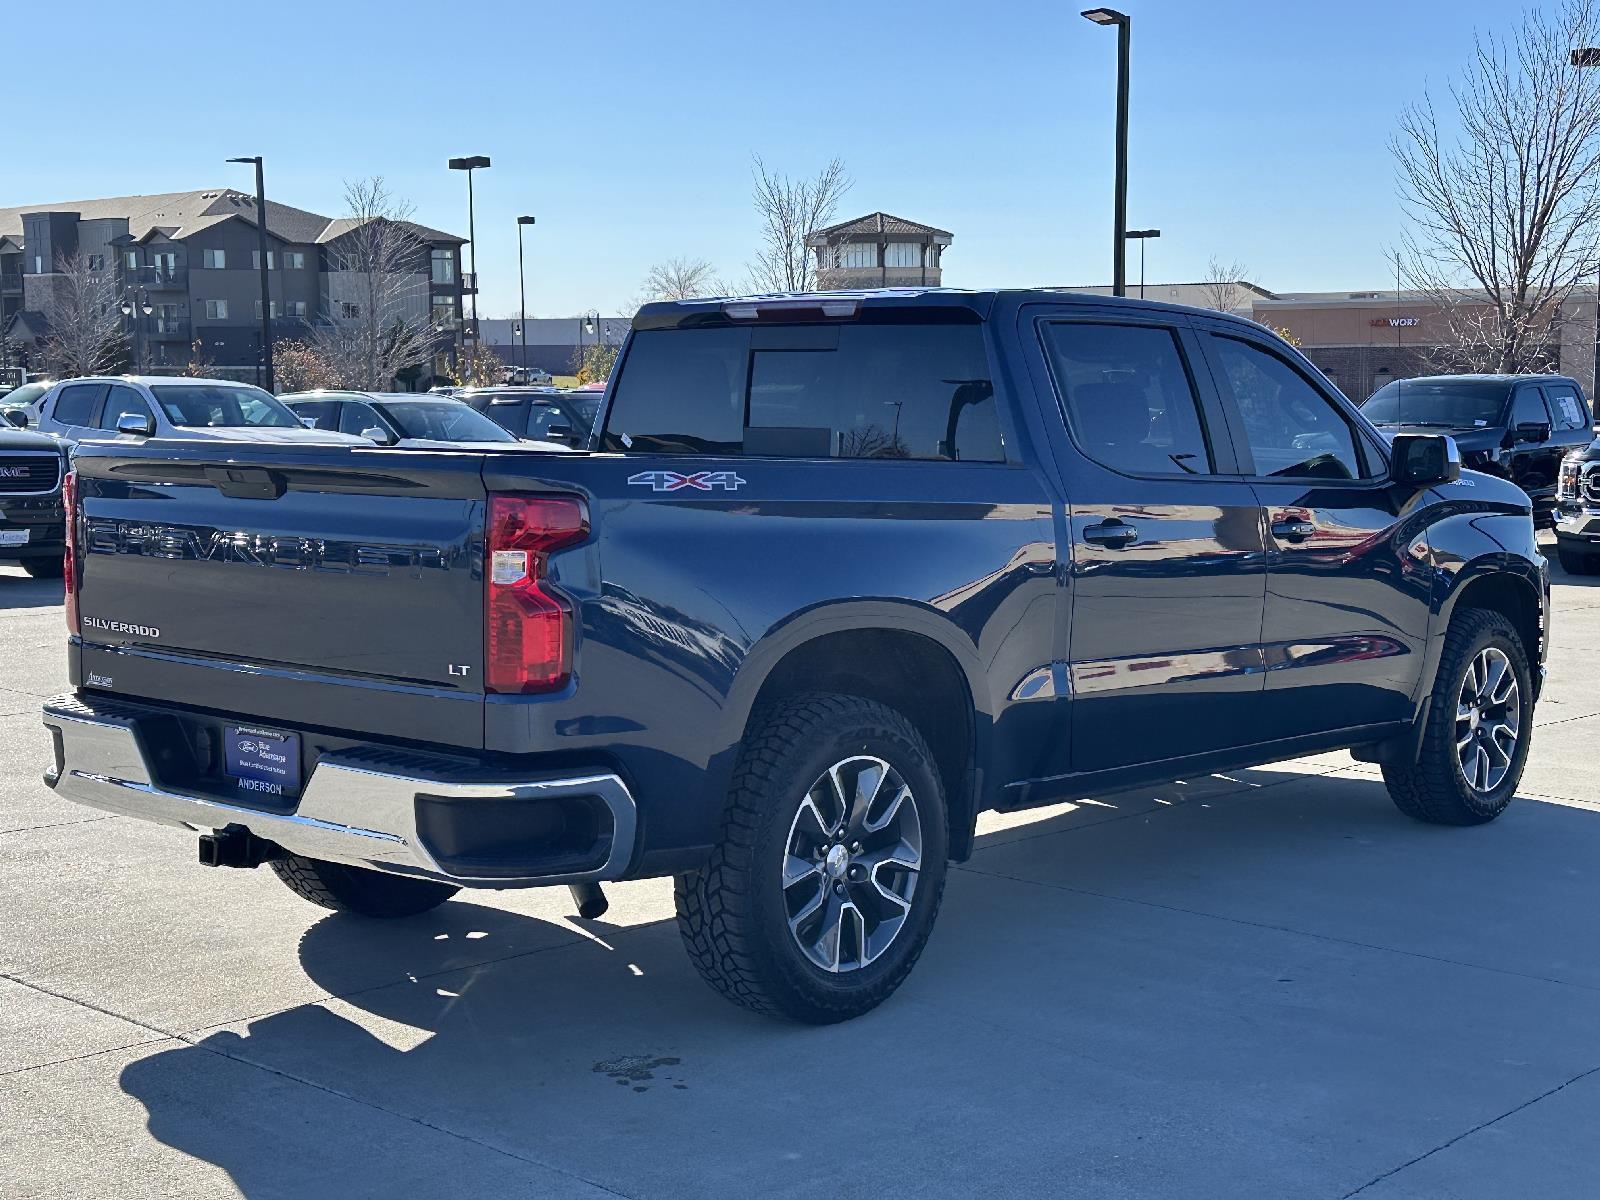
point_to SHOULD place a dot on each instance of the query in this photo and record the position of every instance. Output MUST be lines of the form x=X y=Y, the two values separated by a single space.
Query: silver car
x=171 y=407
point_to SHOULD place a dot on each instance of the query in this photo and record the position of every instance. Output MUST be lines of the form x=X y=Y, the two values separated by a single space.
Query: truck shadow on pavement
x=18 y=590
x=1230 y=988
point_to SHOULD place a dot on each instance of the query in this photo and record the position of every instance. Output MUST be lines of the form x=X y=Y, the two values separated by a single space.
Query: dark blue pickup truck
x=840 y=573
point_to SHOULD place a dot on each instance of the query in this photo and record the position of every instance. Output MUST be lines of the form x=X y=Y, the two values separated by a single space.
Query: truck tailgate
x=324 y=586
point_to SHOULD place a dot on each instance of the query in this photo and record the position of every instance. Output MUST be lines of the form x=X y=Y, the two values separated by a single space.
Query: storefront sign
x=1394 y=322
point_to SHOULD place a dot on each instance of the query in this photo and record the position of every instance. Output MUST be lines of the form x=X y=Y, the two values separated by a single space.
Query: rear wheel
x=45 y=568
x=1480 y=720
x=359 y=890
x=821 y=893
x=1576 y=562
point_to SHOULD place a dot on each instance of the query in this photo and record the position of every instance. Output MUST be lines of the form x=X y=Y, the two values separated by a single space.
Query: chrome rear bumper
x=351 y=811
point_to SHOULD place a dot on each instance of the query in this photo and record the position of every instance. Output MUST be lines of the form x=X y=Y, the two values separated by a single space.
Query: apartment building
x=193 y=259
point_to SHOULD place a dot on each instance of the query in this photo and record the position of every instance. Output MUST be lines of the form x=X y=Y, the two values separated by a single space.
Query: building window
x=217 y=259
x=38 y=264
x=97 y=262
x=904 y=254
x=274 y=309
x=166 y=263
x=296 y=308
x=216 y=310
x=167 y=318
x=294 y=260
x=132 y=259
x=855 y=256
x=255 y=260
x=349 y=310
x=444 y=266
x=444 y=310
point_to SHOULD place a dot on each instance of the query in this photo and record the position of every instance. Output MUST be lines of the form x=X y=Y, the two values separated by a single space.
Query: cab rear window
x=908 y=391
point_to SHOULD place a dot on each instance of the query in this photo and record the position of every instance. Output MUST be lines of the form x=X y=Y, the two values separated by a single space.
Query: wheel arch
x=901 y=655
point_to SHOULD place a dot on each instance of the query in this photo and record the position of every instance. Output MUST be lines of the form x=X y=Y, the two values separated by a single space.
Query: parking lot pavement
x=1267 y=984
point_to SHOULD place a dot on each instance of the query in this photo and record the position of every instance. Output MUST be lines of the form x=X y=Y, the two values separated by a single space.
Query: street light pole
x=469 y=165
x=266 y=289
x=1119 y=219
x=1589 y=56
x=136 y=304
x=522 y=292
x=1143 y=236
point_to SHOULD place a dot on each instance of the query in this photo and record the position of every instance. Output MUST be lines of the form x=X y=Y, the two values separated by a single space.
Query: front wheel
x=1479 y=724
x=820 y=895
x=358 y=889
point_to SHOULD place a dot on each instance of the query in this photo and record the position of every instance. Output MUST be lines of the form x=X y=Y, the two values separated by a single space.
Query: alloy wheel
x=1488 y=720
x=851 y=864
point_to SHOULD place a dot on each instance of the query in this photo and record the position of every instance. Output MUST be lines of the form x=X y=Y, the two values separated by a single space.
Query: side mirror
x=378 y=434
x=138 y=424
x=558 y=433
x=1533 y=431
x=1424 y=459
x=16 y=417
x=309 y=422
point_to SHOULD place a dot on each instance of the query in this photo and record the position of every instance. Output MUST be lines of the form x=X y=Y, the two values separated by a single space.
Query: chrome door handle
x=1293 y=531
x=1116 y=534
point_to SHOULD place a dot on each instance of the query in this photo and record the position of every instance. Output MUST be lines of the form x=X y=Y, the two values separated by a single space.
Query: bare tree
x=1220 y=284
x=378 y=321
x=1505 y=206
x=681 y=279
x=789 y=210
x=84 y=335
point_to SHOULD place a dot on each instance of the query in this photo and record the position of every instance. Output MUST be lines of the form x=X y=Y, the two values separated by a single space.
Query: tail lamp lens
x=69 y=566
x=527 y=625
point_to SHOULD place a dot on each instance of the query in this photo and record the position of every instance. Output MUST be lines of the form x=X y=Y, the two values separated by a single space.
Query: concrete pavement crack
x=1484 y=1125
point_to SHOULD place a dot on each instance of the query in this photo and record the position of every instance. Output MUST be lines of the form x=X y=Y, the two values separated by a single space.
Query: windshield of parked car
x=1442 y=403
x=25 y=395
x=441 y=421
x=223 y=405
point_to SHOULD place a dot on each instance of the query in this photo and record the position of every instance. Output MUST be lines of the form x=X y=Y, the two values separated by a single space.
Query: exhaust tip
x=591 y=901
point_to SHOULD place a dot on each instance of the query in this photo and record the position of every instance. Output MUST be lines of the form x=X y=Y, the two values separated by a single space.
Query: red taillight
x=527 y=627
x=69 y=566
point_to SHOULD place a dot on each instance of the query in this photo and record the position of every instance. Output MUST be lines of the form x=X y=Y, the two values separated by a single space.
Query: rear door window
x=75 y=403
x=1128 y=397
x=323 y=414
x=860 y=390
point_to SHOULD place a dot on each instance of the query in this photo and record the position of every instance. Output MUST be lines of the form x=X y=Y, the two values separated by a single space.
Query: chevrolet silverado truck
x=839 y=573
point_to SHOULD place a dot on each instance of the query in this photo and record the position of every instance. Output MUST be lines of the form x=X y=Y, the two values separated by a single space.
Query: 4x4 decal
x=672 y=481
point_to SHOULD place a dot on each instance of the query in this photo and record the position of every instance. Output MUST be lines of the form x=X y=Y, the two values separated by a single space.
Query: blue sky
x=1259 y=130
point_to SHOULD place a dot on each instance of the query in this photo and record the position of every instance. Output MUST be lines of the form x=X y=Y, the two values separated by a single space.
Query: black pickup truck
x=840 y=573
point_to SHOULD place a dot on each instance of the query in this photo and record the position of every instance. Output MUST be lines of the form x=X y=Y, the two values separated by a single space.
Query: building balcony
x=162 y=279
x=469 y=282
x=167 y=329
x=294 y=329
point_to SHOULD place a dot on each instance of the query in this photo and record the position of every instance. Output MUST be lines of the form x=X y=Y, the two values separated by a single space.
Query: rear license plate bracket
x=263 y=761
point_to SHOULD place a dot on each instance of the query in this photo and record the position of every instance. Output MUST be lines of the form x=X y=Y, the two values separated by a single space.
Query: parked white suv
x=172 y=407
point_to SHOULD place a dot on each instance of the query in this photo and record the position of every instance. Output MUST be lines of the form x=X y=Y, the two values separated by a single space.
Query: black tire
x=733 y=914
x=359 y=890
x=1575 y=562
x=1434 y=789
x=52 y=567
